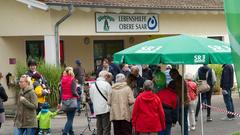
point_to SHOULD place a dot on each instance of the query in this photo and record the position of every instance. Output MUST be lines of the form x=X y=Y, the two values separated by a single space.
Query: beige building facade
x=21 y=26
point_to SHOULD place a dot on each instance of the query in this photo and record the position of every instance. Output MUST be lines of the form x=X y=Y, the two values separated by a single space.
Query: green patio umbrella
x=181 y=49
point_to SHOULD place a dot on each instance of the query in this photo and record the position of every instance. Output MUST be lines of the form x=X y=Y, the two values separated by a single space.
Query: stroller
x=90 y=118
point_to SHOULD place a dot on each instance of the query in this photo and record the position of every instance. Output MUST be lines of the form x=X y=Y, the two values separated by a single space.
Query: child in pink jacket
x=192 y=95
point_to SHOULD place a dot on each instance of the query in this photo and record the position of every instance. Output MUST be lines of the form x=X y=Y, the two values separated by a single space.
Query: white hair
x=148 y=85
x=188 y=76
x=103 y=74
x=134 y=67
x=168 y=67
x=120 y=77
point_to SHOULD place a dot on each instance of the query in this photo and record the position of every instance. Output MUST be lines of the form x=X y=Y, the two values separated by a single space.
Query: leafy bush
x=51 y=73
x=236 y=133
x=218 y=71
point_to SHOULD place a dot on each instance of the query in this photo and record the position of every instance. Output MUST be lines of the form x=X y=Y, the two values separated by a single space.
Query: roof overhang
x=104 y=8
x=35 y=4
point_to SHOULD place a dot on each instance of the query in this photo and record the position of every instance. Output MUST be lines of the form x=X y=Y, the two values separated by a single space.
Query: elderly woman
x=120 y=100
x=148 y=114
x=3 y=98
x=69 y=97
x=25 y=120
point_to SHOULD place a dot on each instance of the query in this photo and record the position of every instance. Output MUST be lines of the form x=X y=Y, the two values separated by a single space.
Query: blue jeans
x=91 y=108
x=68 y=126
x=161 y=133
x=79 y=105
x=185 y=124
x=167 y=131
x=229 y=102
x=24 y=131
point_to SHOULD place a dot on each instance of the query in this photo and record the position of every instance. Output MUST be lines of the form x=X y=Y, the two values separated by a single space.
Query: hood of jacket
x=148 y=96
x=118 y=86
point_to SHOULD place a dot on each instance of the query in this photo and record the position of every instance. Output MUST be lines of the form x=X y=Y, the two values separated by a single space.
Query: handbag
x=69 y=105
x=203 y=86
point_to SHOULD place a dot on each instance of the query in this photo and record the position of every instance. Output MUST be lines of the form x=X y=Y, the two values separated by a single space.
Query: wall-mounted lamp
x=86 y=40
x=131 y=40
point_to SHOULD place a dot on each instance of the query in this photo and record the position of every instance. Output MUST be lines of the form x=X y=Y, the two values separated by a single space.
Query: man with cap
x=79 y=73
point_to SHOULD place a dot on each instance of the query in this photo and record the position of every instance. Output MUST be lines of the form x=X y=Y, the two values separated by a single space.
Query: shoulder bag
x=203 y=86
x=100 y=92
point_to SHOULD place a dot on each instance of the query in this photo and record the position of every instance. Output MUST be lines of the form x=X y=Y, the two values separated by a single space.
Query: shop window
x=35 y=50
x=106 y=48
x=217 y=38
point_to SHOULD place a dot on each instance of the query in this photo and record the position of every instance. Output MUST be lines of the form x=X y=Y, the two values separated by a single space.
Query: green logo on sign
x=106 y=18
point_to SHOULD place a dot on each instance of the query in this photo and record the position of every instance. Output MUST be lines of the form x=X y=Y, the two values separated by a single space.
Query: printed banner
x=232 y=13
x=109 y=23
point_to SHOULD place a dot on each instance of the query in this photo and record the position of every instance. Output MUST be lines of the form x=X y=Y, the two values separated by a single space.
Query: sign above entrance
x=109 y=23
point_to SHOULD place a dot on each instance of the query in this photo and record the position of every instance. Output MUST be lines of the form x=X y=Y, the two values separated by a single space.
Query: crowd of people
x=137 y=99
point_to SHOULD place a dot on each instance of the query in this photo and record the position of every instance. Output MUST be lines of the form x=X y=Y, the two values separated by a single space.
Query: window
x=217 y=38
x=35 y=50
x=105 y=48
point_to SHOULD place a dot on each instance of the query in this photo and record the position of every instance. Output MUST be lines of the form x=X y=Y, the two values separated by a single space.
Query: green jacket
x=159 y=79
x=45 y=119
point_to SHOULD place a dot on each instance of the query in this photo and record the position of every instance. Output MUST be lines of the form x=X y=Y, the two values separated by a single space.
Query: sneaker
x=226 y=119
x=196 y=118
x=209 y=119
x=193 y=128
x=92 y=115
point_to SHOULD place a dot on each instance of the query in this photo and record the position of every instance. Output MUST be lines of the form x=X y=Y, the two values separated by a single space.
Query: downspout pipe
x=56 y=33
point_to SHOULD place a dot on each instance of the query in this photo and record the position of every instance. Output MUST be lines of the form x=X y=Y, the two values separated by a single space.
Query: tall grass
x=51 y=73
x=218 y=71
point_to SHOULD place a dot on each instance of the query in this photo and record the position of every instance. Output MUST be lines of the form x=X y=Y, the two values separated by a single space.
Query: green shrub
x=51 y=73
x=236 y=133
x=218 y=71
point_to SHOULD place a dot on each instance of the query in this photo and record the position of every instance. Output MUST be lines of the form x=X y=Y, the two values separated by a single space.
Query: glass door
x=106 y=48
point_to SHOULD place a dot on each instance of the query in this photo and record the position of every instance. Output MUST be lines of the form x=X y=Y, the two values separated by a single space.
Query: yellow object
x=39 y=92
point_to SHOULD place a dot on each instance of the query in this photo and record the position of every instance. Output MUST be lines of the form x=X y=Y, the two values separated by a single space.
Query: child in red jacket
x=192 y=95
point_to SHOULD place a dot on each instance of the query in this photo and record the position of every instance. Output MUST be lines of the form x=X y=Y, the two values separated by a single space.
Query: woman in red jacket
x=148 y=114
x=69 y=98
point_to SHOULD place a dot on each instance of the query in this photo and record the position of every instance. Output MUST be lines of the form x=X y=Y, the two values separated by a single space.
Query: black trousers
x=208 y=98
x=122 y=127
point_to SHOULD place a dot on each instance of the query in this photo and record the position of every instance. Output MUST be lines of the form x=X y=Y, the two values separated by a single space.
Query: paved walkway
x=216 y=127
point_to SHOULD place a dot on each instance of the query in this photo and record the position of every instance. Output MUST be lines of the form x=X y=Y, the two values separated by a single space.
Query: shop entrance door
x=106 y=48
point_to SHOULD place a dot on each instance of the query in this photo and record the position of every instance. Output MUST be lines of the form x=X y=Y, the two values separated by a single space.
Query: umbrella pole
x=201 y=113
x=182 y=100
